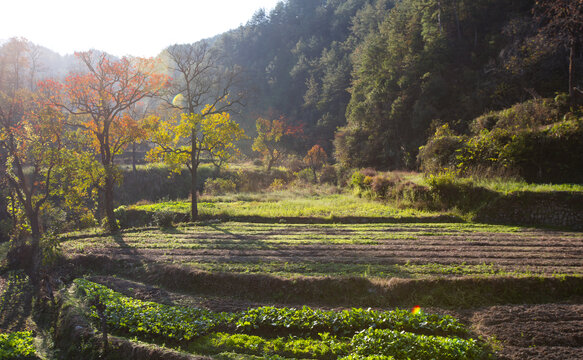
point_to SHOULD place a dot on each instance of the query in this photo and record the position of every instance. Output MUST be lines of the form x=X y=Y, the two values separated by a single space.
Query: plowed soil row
x=543 y=252
x=534 y=331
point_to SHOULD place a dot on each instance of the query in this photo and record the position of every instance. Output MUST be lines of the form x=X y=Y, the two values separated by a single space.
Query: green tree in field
x=32 y=138
x=186 y=138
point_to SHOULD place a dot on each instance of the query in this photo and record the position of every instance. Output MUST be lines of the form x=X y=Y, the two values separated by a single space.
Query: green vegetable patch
x=273 y=332
x=17 y=345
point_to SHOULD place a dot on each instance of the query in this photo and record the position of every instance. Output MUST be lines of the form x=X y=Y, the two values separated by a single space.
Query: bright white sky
x=122 y=27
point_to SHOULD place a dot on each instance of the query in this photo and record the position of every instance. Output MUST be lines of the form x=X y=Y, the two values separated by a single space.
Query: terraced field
x=371 y=250
x=520 y=286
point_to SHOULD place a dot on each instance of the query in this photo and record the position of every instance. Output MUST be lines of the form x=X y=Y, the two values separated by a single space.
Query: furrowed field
x=235 y=285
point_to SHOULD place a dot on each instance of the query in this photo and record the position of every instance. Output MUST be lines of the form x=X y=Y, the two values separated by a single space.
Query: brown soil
x=534 y=331
x=536 y=251
x=549 y=331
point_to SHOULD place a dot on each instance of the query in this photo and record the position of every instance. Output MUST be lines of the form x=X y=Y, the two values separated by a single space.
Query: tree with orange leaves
x=315 y=158
x=99 y=101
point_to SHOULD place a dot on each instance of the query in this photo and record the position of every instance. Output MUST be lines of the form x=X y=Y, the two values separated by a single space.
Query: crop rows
x=289 y=332
x=408 y=250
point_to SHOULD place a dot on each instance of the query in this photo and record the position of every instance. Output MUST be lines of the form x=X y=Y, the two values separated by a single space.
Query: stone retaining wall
x=556 y=209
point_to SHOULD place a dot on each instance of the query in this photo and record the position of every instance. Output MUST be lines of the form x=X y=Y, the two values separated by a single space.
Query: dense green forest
x=372 y=80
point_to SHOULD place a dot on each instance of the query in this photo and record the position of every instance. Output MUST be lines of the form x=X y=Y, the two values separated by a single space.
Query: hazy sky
x=122 y=27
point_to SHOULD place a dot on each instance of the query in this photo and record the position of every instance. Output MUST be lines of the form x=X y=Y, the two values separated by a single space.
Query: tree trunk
x=193 y=196
x=35 y=251
x=571 y=72
x=108 y=194
x=270 y=163
x=439 y=17
x=457 y=20
x=193 y=180
x=134 y=156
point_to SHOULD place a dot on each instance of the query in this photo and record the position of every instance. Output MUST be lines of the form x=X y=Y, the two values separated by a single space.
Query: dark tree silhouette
x=562 y=21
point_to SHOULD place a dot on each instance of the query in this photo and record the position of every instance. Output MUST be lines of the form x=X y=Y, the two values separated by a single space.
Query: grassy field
x=290 y=204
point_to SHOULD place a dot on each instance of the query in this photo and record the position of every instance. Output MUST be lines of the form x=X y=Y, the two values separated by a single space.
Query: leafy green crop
x=298 y=333
x=17 y=345
x=326 y=348
x=369 y=357
x=405 y=345
x=148 y=318
x=306 y=321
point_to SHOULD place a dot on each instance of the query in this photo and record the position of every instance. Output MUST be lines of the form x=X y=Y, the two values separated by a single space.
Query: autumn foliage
x=185 y=139
x=315 y=158
x=99 y=100
x=269 y=136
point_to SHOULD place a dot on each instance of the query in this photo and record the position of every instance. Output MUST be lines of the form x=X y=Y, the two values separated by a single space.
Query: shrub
x=529 y=114
x=254 y=180
x=441 y=150
x=357 y=180
x=50 y=245
x=381 y=185
x=328 y=175
x=87 y=220
x=306 y=175
x=219 y=186
x=155 y=182
x=294 y=164
x=409 y=194
x=163 y=218
x=277 y=185
x=449 y=192
x=370 y=172
x=538 y=141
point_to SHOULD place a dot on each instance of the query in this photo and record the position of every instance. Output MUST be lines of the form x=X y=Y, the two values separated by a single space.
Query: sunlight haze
x=123 y=27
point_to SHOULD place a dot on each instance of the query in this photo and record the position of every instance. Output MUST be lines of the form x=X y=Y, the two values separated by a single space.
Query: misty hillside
x=370 y=80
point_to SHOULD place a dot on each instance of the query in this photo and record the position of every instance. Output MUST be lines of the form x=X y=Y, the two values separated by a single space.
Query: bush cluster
x=537 y=141
x=219 y=186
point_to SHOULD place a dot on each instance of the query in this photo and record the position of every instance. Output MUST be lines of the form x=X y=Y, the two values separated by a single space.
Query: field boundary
x=463 y=292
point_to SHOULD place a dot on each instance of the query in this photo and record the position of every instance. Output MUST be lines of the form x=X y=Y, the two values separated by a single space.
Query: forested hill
x=371 y=80
x=378 y=76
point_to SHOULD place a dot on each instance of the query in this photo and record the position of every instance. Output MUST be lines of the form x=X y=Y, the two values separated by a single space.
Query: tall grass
x=289 y=204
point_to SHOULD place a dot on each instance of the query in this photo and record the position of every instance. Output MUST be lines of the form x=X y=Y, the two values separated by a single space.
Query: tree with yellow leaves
x=187 y=138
